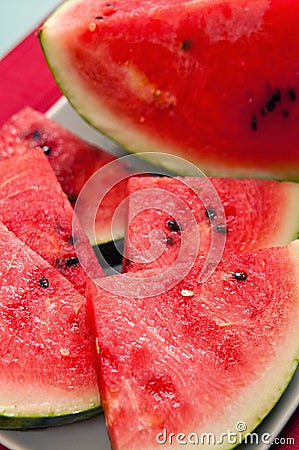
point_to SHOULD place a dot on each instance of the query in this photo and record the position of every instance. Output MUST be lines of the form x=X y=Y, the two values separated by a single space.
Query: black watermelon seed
x=211 y=213
x=72 y=198
x=270 y=105
x=126 y=262
x=221 y=228
x=99 y=18
x=174 y=226
x=36 y=134
x=46 y=149
x=240 y=276
x=271 y=102
x=285 y=113
x=72 y=261
x=43 y=282
x=187 y=44
x=276 y=95
x=292 y=94
x=253 y=123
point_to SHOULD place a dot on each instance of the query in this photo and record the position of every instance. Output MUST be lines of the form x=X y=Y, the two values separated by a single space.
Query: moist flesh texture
x=48 y=357
x=198 y=357
x=173 y=219
x=34 y=207
x=242 y=125
x=73 y=160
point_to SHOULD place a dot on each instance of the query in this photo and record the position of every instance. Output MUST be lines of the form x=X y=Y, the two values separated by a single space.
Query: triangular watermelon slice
x=249 y=214
x=34 y=207
x=214 y=81
x=198 y=359
x=73 y=160
x=47 y=364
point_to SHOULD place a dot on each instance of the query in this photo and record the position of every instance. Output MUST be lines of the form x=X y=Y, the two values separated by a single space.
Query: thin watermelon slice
x=47 y=364
x=213 y=81
x=199 y=358
x=34 y=207
x=73 y=160
x=257 y=214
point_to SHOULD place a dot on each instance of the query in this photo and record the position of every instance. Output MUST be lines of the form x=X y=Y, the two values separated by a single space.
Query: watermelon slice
x=257 y=214
x=200 y=358
x=214 y=81
x=73 y=160
x=47 y=364
x=34 y=207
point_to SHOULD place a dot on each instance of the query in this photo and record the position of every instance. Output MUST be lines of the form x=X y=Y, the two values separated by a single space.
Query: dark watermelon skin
x=47 y=365
x=213 y=81
x=32 y=423
x=183 y=360
x=34 y=207
x=73 y=159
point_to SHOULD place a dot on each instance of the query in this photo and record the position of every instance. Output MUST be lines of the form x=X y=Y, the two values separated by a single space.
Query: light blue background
x=19 y=17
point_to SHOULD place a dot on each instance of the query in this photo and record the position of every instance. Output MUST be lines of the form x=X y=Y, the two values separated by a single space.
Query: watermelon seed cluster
x=221 y=227
x=271 y=104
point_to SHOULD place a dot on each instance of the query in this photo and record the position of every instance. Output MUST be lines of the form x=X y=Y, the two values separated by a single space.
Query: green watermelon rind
x=262 y=417
x=35 y=422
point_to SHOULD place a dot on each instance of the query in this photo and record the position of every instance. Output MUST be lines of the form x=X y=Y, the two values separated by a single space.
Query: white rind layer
x=288 y=226
x=33 y=401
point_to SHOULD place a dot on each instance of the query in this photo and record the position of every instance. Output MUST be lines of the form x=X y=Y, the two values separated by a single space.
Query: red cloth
x=27 y=81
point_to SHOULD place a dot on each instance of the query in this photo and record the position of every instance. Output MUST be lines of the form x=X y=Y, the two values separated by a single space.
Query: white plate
x=91 y=434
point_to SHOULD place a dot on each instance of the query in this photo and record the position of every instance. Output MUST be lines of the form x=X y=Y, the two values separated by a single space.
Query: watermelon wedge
x=73 y=160
x=213 y=81
x=257 y=214
x=47 y=364
x=34 y=207
x=187 y=366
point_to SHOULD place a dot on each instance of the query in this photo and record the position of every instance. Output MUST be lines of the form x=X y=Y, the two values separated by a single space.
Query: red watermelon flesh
x=34 y=207
x=73 y=160
x=214 y=81
x=199 y=357
x=257 y=214
x=47 y=364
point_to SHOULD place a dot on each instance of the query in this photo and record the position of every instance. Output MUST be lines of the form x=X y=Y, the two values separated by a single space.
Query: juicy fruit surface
x=73 y=160
x=151 y=73
x=199 y=357
x=47 y=351
x=257 y=214
x=34 y=207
